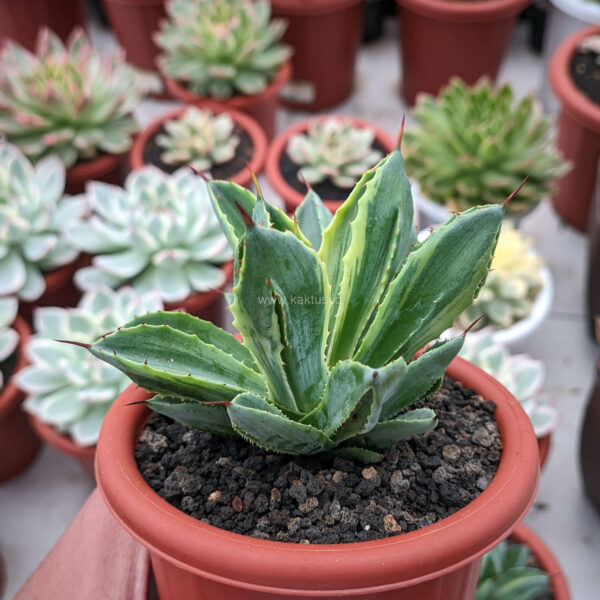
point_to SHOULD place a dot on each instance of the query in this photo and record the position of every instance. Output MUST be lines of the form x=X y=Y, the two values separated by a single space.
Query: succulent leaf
x=9 y=338
x=313 y=218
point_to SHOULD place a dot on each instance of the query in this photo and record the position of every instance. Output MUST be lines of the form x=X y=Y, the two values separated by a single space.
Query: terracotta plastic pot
x=544 y=448
x=21 y=21
x=18 y=443
x=445 y=38
x=257 y=135
x=194 y=560
x=546 y=560
x=288 y=194
x=262 y=106
x=578 y=136
x=325 y=36
x=589 y=448
x=64 y=444
x=110 y=168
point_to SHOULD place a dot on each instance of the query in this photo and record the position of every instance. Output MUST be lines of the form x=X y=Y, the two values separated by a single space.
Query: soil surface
x=585 y=72
x=234 y=485
x=326 y=190
x=7 y=367
x=243 y=155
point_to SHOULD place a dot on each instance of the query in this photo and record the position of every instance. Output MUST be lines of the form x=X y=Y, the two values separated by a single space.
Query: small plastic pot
x=325 y=36
x=262 y=106
x=194 y=560
x=254 y=130
x=578 y=136
x=110 y=168
x=18 y=443
x=288 y=194
x=445 y=38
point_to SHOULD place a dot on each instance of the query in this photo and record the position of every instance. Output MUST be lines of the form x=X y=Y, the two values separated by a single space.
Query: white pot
x=431 y=213
x=564 y=18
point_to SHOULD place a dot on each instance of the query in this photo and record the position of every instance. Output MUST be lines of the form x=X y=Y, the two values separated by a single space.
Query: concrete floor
x=37 y=507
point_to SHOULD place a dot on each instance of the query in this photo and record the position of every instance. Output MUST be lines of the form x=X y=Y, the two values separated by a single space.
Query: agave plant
x=199 y=139
x=511 y=288
x=66 y=386
x=159 y=232
x=332 y=311
x=474 y=145
x=333 y=149
x=507 y=574
x=68 y=100
x=9 y=338
x=220 y=48
x=32 y=214
x=520 y=374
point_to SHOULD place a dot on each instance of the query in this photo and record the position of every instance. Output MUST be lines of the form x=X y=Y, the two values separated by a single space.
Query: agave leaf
x=358 y=454
x=313 y=218
x=520 y=583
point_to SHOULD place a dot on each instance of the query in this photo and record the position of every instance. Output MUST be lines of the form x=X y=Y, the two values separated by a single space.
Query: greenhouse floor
x=37 y=507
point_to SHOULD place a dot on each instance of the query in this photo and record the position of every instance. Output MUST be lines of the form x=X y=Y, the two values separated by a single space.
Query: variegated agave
x=9 y=338
x=66 y=386
x=159 y=232
x=332 y=310
x=32 y=214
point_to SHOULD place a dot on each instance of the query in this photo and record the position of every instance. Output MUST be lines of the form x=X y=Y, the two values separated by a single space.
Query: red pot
x=547 y=561
x=64 y=444
x=445 y=38
x=578 y=135
x=21 y=21
x=544 y=448
x=325 y=36
x=289 y=195
x=257 y=135
x=261 y=106
x=194 y=560
x=18 y=443
x=110 y=168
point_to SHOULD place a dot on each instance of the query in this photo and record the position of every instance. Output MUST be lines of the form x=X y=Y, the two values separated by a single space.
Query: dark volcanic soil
x=585 y=72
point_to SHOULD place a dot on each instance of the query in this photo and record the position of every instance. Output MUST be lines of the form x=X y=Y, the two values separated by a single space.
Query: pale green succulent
x=520 y=374
x=333 y=149
x=332 y=310
x=199 y=139
x=32 y=214
x=68 y=100
x=158 y=232
x=66 y=386
x=221 y=48
x=473 y=145
x=512 y=286
x=507 y=574
x=9 y=338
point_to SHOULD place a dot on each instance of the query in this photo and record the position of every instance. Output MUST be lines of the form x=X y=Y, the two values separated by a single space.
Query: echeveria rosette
x=9 y=338
x=474 y=145
x=332 y=311
x=68 y=100
x=158 y=232
x=221 y=48
x=66 y=386
x=33 y=212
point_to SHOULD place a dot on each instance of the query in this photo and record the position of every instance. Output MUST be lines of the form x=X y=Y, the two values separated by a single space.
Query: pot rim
x=464 y=12
x=573 y=100
x=301 y=8
x=89 y=169
x=248 y=124
x=10 y=395
x=60 y=441
x=289 y=195
x=385 y=564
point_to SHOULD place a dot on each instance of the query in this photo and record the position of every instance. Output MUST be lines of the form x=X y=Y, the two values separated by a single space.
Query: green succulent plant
x=474 y=145
x=507 y=574
x=66 y=386
x=158 y=232
x=32 y=214
x=221 y=48
x=333 y=149
x=332 y=311
x=68 y=100
x=9 y=338
x=199 y=139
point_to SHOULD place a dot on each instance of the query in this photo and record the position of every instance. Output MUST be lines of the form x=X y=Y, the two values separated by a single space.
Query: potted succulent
x=333 y=312
x=573 y=77
x=70 y=101
x=325 y=36
x=521 y=375
x=158 y=232
x=37 y=263
x=225 y=52
x=18 y=443
x=222 y=142
x=68 y=390
x=475 y=145
x=328 y=154
x=445 y=38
